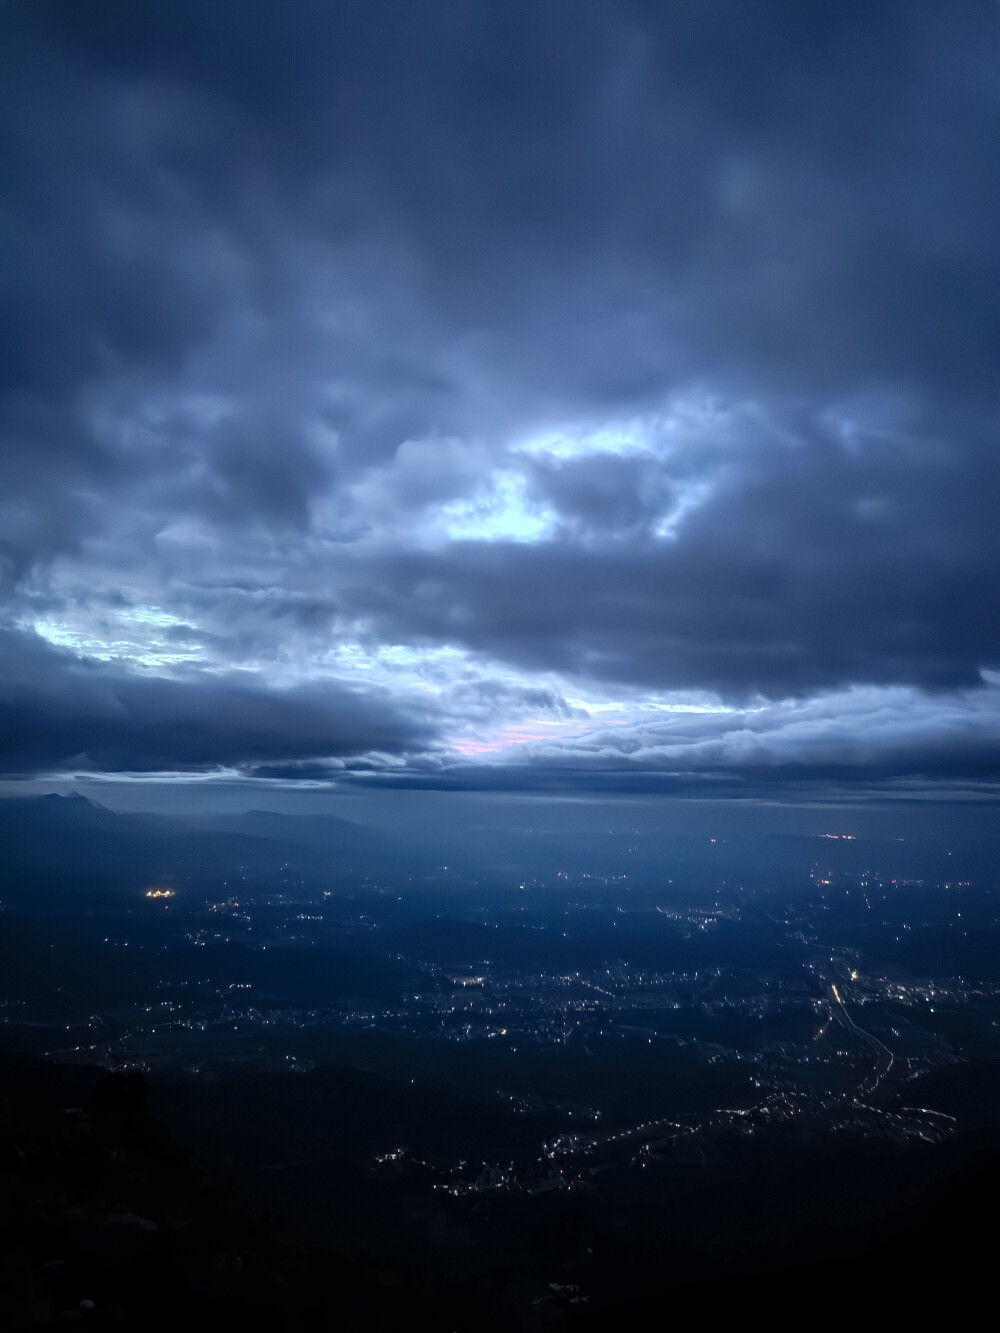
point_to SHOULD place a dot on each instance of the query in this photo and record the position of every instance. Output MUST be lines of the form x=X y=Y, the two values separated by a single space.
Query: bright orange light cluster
x=159 y=893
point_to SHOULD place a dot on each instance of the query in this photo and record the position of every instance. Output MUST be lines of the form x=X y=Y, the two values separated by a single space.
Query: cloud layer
x=383 y=377
x=58 y=712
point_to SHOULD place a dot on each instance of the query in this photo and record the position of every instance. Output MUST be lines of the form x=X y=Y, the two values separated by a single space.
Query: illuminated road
x=843 y=1017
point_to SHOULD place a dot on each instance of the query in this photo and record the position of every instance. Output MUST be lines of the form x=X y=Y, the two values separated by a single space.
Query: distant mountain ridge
x=54 y=837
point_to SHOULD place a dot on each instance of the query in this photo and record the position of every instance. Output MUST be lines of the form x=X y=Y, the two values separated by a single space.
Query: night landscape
x=499 y=663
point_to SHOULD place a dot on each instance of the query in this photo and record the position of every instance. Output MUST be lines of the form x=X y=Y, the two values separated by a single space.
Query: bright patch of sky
x=689 y=498
x=677 y=702
x=501 y=511
x=136 y=650
x=64 y=636
x=149 y=615
x=388 y=661
x=686 y=421
x=631 y=438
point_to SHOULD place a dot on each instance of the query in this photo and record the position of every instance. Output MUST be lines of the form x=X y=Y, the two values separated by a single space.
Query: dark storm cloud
x=605 y=494
x=285 y=282
x=58 y=712
x=261 y=467
x=806 y=184
x=606 y=196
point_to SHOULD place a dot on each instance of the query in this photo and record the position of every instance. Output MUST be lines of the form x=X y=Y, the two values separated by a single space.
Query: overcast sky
x=596 y=396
